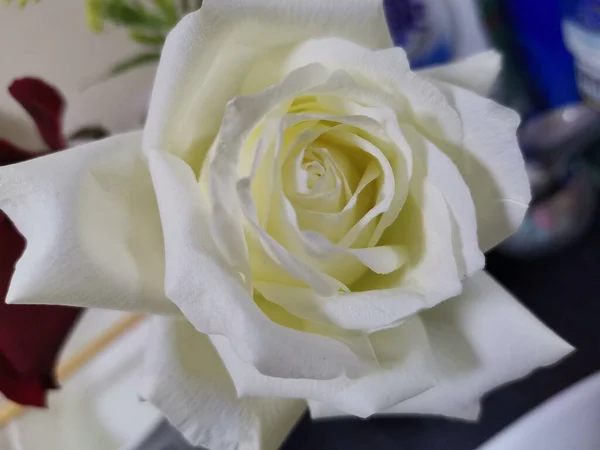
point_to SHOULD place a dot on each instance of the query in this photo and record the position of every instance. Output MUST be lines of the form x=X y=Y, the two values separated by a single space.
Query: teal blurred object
x=564 y=194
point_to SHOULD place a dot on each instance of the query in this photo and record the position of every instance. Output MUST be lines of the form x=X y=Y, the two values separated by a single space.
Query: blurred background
x=102 y=54
x=551 y=76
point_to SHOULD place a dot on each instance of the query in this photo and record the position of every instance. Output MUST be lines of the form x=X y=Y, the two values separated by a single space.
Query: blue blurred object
x=586 y=12
x=536 y=25
x=436 y=31
x=422 y=28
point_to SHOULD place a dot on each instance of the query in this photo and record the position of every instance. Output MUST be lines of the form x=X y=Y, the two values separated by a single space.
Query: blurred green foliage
x=19 y=3
x=147 y=22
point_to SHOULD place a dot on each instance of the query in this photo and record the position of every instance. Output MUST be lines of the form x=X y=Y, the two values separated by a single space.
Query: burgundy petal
x=11 y=154
x=45 y=105
x=28 y=390
x=31 y=336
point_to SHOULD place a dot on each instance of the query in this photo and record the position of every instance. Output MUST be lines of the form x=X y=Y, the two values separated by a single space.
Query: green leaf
x=128 y=64
x=94 y=10
x=133 y=15
x=167 y=8
x=156 y=40
x=20 y=3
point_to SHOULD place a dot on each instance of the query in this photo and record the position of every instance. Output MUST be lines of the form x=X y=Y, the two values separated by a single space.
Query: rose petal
x=493 y=168
x=92 y=225
x=453 y=118
x=24 y=389
x=242 y=115
x=45 y=105
x=13 y=245
x=368 y=66
x=441 y=172
x=405 y=370
x=283 y=229
x=367 y=311
x=425 y=229
x=477 y=73
x=214 y=297
x=480 y=340
x=185 y=378
x=32 y=336
x=215 y=47
x=388 y=70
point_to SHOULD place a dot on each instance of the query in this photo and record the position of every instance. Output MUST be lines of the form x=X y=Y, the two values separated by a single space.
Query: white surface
x=470 y=36
x=97 y=409
x=570 y=420
x=51 y=40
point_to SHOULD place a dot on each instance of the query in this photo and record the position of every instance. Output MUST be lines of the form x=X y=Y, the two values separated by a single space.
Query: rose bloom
x=307 y=217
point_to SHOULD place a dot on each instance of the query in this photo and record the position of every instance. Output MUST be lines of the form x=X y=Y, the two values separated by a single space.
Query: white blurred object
x=568 y=421
x=98 y=408
x=470 y=36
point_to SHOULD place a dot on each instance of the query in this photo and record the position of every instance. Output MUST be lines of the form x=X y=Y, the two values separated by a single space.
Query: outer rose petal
x=444 y=176
x=489 y=133
x=31 y=338
x=477 y=73
x=215 y=47
x=405 y=370
x=493 y=167
x=186 y=380
x=24 y=389
x=480 y=340
x=92 y=225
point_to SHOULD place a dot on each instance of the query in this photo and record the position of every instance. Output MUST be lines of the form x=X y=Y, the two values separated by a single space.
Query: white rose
x=315 y=210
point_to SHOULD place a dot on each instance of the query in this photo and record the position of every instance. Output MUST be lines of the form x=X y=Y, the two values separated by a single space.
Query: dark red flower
x=45 y=105
x=31 y=336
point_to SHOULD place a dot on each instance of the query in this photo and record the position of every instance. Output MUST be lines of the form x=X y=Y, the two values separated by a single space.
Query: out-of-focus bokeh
x=551 y=76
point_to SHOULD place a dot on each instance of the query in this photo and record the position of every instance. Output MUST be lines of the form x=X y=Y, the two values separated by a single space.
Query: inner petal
x=320 y=179
x=332 y=185
x=318 y=172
